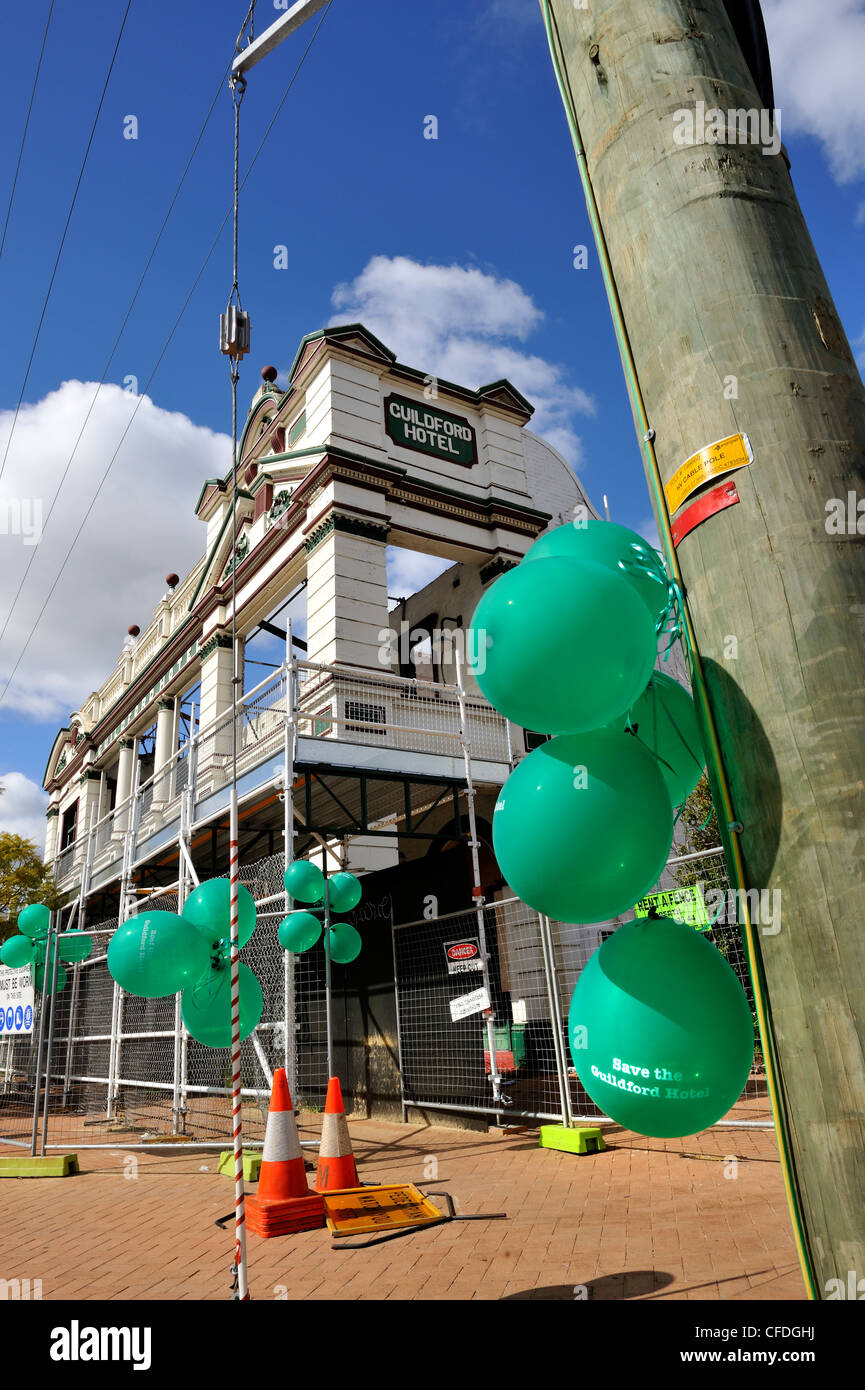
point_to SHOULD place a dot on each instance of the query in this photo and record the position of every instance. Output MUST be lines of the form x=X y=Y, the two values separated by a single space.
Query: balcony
x=338 y=718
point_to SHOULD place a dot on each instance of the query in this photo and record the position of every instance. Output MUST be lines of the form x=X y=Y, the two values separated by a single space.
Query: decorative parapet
x=149 y=696
x=350 y=525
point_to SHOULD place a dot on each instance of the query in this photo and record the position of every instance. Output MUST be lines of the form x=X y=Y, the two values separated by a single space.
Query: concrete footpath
x=698 y=1218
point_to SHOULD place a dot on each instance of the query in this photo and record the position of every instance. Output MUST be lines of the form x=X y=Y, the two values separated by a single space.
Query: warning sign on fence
x=16 y=1001
x=469 y=1004
x=463 y=955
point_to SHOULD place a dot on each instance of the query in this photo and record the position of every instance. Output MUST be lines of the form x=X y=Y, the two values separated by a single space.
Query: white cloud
x=409 y=571
x=22 y=807
x=817 y=55
x=142 y=527
x=463 y=324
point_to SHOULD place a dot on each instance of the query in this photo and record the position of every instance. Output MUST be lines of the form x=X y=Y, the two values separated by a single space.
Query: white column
x=163 y=749
x=346 y=597
x=52 y=825
x=125 y=768
x=217 y=695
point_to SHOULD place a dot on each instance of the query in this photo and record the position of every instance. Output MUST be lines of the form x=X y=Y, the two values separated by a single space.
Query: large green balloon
x=583 y=826
x=34 y=920
x=157 y=953
x=343 y=892
x=345 y=943
x=206 y=1006
x=299 y=931
x=39 y=976
x=562 y=645
x=208 y=907
x=75 y=946
x=664 y=720
x=16 y=952
x=304 y=881
x=661 y=1033
x=615 y=547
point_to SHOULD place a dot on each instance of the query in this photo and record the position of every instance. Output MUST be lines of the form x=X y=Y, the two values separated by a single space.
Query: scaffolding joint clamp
x=735 y=826
x=649 y=436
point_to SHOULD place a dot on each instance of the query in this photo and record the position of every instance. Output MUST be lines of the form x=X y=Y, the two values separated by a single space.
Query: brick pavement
x=647 y=1219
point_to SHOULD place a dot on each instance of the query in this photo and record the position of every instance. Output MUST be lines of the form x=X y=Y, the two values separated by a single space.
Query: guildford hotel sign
x=435 y=432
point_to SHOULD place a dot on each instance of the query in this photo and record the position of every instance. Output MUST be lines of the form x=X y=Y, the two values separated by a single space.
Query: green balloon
x=16 y=952
x=156 y=953
x=615 y=547
x=75 y=946
x=562 y=645
x=39 y=976
x=34 y=920
x=583 y=826
x=661 y=1033
x=664 y=719
x=298 y=931
x=206 y=1006
x=208 y=908
x=345 y=943
x=343 y=892
x=304 y=882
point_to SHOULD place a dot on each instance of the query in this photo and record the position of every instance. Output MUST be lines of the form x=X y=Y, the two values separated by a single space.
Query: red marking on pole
x=717 y=500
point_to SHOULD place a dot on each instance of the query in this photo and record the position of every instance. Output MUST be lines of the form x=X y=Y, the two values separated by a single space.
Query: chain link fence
x=123 y=1071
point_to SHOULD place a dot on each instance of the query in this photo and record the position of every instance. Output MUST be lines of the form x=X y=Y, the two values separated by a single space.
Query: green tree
x=698 y=819
x=23 y=879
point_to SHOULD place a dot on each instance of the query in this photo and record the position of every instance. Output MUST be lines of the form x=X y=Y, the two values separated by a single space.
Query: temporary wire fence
x=124 y=1072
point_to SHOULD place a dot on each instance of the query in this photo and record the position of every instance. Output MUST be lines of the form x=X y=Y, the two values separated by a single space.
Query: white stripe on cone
x=335 y=1138
x=281 y=1143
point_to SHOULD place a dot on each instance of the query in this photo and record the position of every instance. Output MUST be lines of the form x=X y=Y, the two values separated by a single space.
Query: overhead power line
x=26 y=127
x=162 y=353
x=65 y=231
x=121 y=330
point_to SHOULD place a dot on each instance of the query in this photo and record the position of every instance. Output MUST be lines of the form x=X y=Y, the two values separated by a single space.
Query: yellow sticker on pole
x=724 y=456
x=359 y=1210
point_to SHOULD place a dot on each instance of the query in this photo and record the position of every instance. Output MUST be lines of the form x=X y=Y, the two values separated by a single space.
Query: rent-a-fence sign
x=685 y=904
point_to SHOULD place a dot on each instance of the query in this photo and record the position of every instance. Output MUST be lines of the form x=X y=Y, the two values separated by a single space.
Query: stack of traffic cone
x=336 y=1165
x=283 y=1203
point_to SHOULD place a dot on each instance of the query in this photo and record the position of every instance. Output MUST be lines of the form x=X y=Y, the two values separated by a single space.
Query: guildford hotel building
x=356 y=746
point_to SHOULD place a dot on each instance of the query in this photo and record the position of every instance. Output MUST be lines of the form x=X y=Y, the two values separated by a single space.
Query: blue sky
x=458 y=249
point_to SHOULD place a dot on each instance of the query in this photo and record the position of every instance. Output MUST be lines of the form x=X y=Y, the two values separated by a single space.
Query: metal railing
x=332 y=706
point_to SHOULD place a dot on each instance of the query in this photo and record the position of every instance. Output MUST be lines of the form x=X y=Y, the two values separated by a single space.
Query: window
x=297 y=429
x=67 y=828
x=368 y=714
x=322 y=722
x=534 y=740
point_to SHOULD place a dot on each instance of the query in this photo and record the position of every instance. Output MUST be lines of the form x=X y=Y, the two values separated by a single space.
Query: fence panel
x=446 y=1064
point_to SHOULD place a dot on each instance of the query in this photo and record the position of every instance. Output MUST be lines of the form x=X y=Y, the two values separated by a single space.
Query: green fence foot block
x=573 y=1141
x=45 y=1166
x=251 y=1165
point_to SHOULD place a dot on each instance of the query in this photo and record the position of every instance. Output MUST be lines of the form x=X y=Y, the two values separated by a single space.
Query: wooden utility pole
x=732 y=329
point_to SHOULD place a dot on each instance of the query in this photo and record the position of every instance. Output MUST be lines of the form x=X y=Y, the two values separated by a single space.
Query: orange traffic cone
x=283 y=1202
x=336 y=1165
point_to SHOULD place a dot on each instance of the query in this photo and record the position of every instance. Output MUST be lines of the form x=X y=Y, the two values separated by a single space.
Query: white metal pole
x=289 y=964
x=477 y=890
x=287 y=24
